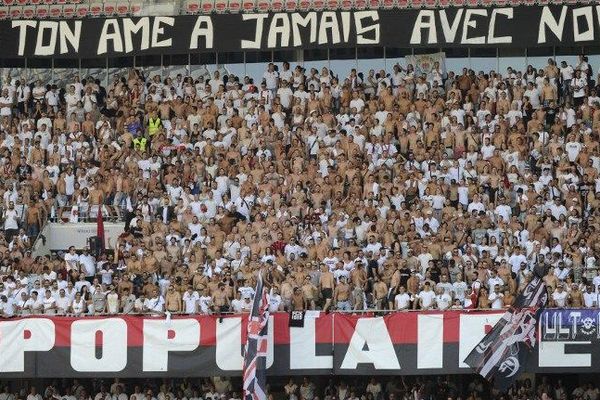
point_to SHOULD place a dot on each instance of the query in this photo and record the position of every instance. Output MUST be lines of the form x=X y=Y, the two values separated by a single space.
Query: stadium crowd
x=305 y=388
x=383 y=190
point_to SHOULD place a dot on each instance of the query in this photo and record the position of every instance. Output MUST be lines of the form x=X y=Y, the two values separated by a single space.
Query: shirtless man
x=310 y=292
x=220 y=300
x=173 y=300
x=34 y=219
x=380 y=291
x=96 y=198
x=341 y=295
x=326 y=283
x=298 y=300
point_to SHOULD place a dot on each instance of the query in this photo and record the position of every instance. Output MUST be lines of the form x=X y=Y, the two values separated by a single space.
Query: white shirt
x=497 y=300
x=402 y=301
x=590 y=299
x=560 y=298
x=427 y=298
x=155 y=304
x=443 y=301
x=88 y=263
x=191 y=302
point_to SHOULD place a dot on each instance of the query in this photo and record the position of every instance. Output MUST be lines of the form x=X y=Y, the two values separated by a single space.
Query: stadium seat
x=347 y=5
x=42 y=11
x=263 y=5
x=28 y=11
x=49 y=2
x=22 y=2
x=68 y=10
x=192 y=6
x=8 y=2
x=374 y=4
x=96 y=9
x=291 y=5
x=110 y=8
x=135 y=8
x=304 y=5
x=417 y=3
x=472 y=3
x=234 y=6
x=55 y=11
x=248 y=5
x=122 y=8
x=220 y=6
x=317 y=5
x=3 y=12
x=207 y=6
x=277 y=5
x=388 y=4
x=360 y=4
x=82 y=10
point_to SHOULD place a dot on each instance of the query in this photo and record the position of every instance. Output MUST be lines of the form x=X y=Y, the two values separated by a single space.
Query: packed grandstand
x=406 y=218
x=351 y=190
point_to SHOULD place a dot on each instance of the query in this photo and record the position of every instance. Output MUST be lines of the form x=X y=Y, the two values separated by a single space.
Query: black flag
x=502 y=353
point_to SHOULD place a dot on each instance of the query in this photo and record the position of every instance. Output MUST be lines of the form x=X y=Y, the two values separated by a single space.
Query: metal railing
x=374 y=312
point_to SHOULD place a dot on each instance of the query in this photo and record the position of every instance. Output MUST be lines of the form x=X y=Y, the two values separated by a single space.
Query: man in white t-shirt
x=205 y=302
x=63 y=303
x=560 y=296
x=72 y=259
x=275 y=302
x=7 y=307
x=402 y=299
x=590 y=298
x=426 y=297
x=271 y=78
x=155 y=304
x=11 y=221
x=496 y=298
x=443 y=300
x=5 y=104
x=49 y=303
x=190 y=300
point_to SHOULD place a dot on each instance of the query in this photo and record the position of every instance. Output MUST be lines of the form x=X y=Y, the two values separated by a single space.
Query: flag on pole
x=502 y=353
x=255 y=355
x=100 y=229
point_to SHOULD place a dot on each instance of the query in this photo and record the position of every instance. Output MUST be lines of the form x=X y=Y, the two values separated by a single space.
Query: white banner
x=426 y=64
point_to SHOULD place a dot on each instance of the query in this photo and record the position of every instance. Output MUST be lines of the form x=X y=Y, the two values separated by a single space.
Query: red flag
x=100 y=228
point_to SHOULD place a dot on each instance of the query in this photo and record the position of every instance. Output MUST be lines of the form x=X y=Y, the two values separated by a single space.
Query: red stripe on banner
x=280 y=328
x=324 y=328
x=208 y=331
x=135 y=335
x=401 y=326
x=451 y=326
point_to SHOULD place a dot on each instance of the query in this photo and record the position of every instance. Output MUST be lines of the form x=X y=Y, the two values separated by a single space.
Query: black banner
x=502 y=354
x=522 y=26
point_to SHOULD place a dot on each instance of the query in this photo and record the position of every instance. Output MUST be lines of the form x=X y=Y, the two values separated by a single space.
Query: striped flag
x=255 y=355
x=503 y=352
